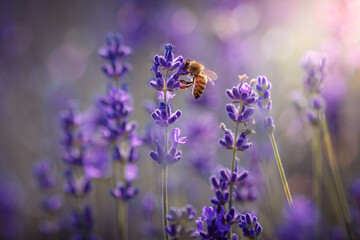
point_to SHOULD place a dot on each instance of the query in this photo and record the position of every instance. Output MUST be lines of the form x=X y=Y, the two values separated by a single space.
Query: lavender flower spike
x=113 y=51
x=263 y=87
x=171 y=64
x=314 y=64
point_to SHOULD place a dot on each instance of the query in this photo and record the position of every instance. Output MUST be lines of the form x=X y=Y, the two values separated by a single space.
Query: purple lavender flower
x=222 y=184
x=52 y=203
x=314 y=64
x=82 y=223
x=242 y=116
x=217 y=222
x=49 y=226
x=11 y=200
x=300 y=222
x=227 y=142
x=173 y=155
x=250 y=226
x=73 y=138
x=163 y=116
x=113 y=51
x=124 y=191
x=242 y=93
x=44 y=173
x=169 y=63
x=116 y=103
x=263 y=87
x=77 y=186
x=179 y=220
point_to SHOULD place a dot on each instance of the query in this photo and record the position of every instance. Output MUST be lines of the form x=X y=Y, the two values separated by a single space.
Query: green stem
x=335 y=174
x=165 y=170
x=164 y=199
x=123 y=207
x=281 y=170
x=316 y=149
x=233 y=165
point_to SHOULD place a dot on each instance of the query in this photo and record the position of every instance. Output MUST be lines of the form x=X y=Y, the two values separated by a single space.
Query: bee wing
x=212 y=76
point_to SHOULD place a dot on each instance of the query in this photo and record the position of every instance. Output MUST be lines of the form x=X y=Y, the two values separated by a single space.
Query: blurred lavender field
x=68 y=101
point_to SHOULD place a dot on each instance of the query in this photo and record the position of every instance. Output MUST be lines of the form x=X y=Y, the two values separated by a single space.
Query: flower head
x=179 y=220
x=43 y=170
x=124 y=191
x=263 y=87
x=250 y=226
x=113 y=51
x=170 y=64
x=242 y=93
x=314 y=64
x=116 y=103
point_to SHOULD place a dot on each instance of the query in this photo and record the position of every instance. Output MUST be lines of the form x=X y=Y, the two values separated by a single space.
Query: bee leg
x=186 y=85
x=182 y=81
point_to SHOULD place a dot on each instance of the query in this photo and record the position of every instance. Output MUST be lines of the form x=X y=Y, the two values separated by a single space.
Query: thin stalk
x=164 y=199
x=123 y=208
x=316 y=149
x=233 y=165
x=165 y=170
x=335 y=174
x=281 y=170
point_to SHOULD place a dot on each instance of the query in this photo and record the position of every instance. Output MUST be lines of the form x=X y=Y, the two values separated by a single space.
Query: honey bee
x=200 y=76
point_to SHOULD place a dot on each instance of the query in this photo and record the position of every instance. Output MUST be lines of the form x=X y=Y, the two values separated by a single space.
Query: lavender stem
x=335 y=174
x=281 y=170
x=165 y=169
x=164 y=199
x=317 y=175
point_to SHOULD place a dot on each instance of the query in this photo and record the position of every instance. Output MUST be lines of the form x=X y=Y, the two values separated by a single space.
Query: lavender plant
x=120 y=133
x=51 y=203
x=263 y=87
x=167 y=70
x=75 y=146
x=179 y=220
x=242 y=115
x=314 y=65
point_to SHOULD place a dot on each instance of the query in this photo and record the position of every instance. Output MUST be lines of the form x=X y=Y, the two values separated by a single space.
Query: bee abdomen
x=199 y=87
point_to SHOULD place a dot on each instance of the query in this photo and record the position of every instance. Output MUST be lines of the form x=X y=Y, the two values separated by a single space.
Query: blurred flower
x=314 y=65
x=179 y=220
x=11 y=200
x=299 y=223
x=116 y=103
x=113 y=51
x=124 y=191
x=82 y=223
x=77 y=186
x=52 y=203
x=43 y=170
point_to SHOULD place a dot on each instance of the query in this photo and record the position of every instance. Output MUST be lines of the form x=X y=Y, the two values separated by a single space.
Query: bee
x=200 y=76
